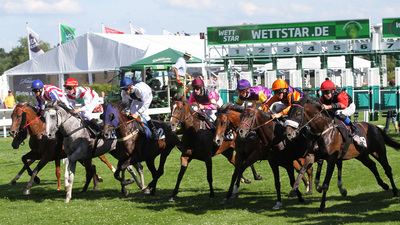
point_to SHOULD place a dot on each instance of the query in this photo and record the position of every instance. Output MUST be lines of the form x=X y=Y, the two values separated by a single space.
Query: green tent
x=161 y=60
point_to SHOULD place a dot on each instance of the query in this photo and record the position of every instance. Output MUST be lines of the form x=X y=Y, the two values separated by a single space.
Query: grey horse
x=77 y=141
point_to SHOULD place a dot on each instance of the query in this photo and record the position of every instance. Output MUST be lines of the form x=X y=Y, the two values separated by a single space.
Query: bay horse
x=25 y=120
x=78 y=144
x=196 y=142
x=133 y=146
x=279 y=151
x=247 y=150
x=331 y=143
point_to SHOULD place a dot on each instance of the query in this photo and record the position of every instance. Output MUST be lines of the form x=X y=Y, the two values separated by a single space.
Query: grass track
x=365 y=203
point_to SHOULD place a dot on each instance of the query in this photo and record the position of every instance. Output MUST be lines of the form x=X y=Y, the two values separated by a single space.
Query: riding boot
x=96 y=126
x=354 y=129
x=153 y=129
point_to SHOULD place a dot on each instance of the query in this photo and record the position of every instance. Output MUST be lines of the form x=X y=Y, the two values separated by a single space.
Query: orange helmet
x=71 y=82
x=279 y=84
x=327 y=85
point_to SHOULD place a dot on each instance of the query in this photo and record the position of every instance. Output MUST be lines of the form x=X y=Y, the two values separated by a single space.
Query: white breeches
x=136 y=105
x=349 y=111
x=88 y=113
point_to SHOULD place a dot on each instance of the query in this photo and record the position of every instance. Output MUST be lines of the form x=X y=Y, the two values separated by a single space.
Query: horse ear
x=245 y=104
x=292 y=98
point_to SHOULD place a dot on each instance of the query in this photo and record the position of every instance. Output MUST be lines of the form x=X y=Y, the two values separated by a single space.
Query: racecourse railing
x=6 y=122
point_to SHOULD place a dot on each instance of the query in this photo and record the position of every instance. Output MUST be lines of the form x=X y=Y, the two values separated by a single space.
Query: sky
x=190 y=16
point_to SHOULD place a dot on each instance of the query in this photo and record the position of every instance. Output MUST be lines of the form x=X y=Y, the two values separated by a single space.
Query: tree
x=5 y=61
x=19 y=54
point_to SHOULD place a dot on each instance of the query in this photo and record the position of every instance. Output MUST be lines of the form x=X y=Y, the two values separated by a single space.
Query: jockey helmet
x=279 y=84
x=126 y=82
x=243 y=84
x=37 y=84
x=197 y=83
x=71 y=82
x=327 y=85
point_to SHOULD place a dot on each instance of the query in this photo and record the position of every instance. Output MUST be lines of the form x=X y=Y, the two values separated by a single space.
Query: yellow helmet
x=279 y=84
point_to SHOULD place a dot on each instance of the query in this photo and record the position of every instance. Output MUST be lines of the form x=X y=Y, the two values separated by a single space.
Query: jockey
x=255 y=94
x=90 y=100
x=206 y=98
x=340 y=102
x=141 y=96
x=48 y=93
x=283 y=92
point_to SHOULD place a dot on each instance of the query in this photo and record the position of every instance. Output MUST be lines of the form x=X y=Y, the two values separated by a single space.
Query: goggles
x=279 y=91
x=69 y=87
x=35 y=90
x=326 y=92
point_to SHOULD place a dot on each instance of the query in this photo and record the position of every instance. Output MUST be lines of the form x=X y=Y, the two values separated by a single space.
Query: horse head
x=227 y=118
x=111 y=120
x=56 y=113
x=18 y=117
x=248 y=120
x=179 y=113
x=296 y=117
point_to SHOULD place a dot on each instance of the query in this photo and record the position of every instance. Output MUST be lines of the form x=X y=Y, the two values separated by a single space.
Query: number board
x=286 y=50
x=262 y=50
x=311 y=49
x=363 y=47
x=237 y=51
x=390 y=46
x=337 y=48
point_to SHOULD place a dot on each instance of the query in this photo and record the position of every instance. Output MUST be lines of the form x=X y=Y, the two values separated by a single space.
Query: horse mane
x=29 y=105
x=122 y=105
x=314 y=102
x=54 y=103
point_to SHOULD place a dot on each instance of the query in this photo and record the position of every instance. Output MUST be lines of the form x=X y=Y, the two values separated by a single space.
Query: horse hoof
x=125 y=192
x=309 y=193
x=235 y=195
x=100 y=179
x=292 y=194
x=385 y=186
x=13 y=183
x=277 y=206
x=344 y=192
x=37 y=180
x=27 y=192
x=95 y=188
x=172 y=199
x=59 y=188
x=146 y=190
x=301 y=200
x=225 y=201
x=130 y=181
x=258 y=177
x=245 y=181
x=319 y=188
x=66 y=201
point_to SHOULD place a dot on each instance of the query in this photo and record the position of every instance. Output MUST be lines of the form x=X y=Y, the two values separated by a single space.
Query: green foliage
x=99 y=88
x=390 y=66
x=21 y=98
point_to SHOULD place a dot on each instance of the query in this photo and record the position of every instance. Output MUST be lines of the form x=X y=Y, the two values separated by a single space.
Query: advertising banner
x=290 y=32
x=391 y=28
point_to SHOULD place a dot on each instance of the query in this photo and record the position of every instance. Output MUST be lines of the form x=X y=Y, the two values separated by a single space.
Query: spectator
x=101 y=98
x=9 y=100
x=391 y=114
x=180 y=73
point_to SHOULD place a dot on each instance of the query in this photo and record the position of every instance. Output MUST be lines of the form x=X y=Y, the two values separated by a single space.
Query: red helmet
x=71 y=82
x=197 y=82
x=327 y=85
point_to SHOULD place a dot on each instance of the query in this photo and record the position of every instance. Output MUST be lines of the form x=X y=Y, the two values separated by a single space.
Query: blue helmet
x=125 y=82
x=37 y=84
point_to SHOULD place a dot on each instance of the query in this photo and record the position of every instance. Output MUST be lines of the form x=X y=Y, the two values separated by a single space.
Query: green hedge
x=99 y=88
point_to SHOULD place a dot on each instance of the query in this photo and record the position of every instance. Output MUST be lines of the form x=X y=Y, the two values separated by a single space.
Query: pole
x=29 y=48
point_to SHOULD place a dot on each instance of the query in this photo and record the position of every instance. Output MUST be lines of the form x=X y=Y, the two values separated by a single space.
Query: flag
x=112 y=31
x=165 y=32
x=137 y=30
x=67 y=33
x=186 y=34
x=34 y=48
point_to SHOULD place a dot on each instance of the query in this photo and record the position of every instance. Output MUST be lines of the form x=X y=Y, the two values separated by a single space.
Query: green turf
x=365 y=203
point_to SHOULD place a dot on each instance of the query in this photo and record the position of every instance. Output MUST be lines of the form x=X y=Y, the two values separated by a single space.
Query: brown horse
x=197 y=142
x=279 y=151
x=26 y=121
x=134 y=147
x=247 y=150
x=331 y=143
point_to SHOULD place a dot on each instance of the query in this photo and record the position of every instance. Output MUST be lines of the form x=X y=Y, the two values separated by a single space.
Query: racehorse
x=26 y=121
x=331 y=143
x=133 y=146
x=196 y=142
x=78 y=145
x=279 y=152
x=247 y=150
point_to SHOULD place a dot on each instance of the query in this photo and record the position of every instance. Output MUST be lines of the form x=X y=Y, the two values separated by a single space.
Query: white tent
x=335 y=62
x=93 y=52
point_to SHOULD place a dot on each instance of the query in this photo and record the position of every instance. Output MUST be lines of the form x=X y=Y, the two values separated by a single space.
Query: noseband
x=26 y=123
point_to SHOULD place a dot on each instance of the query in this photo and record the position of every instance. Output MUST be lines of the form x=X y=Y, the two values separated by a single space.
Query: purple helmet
x=243 y=84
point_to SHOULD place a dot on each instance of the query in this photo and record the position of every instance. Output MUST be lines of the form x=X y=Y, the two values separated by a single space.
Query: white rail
x=6 y=122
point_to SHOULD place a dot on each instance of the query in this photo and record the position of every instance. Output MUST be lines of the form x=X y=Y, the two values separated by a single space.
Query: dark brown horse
x=26 y=121
x=197 y=142
x=331 y=143
x=133 y=146
x=279 y=151
x=247 y=150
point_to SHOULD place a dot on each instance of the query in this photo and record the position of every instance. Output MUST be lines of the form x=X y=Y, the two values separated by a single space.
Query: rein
x=27 y=124
x=190 y=114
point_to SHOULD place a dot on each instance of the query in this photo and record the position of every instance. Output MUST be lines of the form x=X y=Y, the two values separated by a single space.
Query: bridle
x=254 y=119
x=180 y=120
x=26 y=123
x=59 y=125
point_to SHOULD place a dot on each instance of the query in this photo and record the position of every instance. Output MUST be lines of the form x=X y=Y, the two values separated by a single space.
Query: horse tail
x=388 y=140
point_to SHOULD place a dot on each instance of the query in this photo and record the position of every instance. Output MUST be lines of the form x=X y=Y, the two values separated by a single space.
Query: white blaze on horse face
x=51 y=123
x=291 y=123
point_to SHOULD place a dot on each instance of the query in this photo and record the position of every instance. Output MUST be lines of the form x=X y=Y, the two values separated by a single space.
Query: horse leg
x=382 y=159
x=45 y=159
x=297 y=167
x=235 y=175
x=342 y=190
x=160 y=170
x=255 y=175
x=184 y=165
x=309 y=160
x=154 y=175
x=372 y=166
x=325 y=187
x=14 y=181
x=90 y=169
x=104 y=160
x=275 y=170
x=58 y=174
x=231 y=158
x=124 y=182
x=72 y=168
x=133 y=173
x=290 y=172
x=318 y=176
x=209 y=176
x=25 y=158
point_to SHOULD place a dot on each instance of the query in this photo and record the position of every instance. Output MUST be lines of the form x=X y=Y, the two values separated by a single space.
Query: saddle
x=345 y=131
x=206 y=121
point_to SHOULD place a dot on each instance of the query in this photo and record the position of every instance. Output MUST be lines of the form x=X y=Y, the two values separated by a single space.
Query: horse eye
x=111 y=116
x=19 y=116
x=52 y=116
